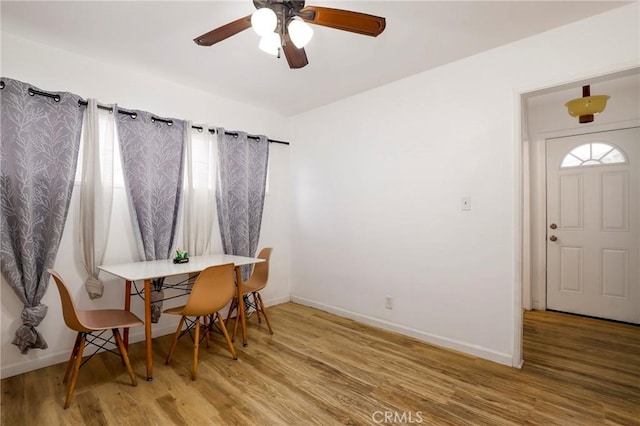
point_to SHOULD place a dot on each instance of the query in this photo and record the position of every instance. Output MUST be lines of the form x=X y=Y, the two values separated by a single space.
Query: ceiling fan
x=282 y=25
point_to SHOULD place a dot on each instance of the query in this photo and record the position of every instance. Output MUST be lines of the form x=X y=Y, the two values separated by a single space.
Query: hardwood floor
x=322 y=369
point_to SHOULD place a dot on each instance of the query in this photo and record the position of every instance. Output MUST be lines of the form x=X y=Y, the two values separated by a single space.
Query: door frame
x=524 y=246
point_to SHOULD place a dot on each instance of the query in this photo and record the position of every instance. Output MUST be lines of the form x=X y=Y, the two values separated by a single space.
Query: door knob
x=553 y=238
x=553 y=226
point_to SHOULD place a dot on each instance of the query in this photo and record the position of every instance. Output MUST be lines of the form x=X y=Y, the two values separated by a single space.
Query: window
x=593 y=154
x=110 y=156
x=203 y=161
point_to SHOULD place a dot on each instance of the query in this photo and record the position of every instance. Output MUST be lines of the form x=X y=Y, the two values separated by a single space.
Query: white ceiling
x=156 y=36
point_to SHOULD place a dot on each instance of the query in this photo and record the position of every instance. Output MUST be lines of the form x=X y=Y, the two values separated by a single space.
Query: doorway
x=543 y=116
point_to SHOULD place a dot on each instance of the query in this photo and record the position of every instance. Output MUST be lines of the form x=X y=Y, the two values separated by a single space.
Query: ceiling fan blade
x=223 y=32
x=297 y=58
x=345 y=20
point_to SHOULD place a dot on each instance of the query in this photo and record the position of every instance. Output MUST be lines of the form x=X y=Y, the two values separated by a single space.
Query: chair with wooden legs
x=90 y=326
x=253 y=286
x=213 y=289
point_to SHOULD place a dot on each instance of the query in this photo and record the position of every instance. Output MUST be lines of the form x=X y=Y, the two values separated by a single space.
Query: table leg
x=243 y=318
x=147 y=328
x=127 y=307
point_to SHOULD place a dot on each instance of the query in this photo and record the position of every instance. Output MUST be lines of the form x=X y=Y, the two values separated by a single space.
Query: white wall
x=378 y=180
x=56 y=70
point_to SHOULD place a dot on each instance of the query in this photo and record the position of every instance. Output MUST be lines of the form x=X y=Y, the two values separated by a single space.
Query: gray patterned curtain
x=39 y=141
x=242 y=178
x=152 y=162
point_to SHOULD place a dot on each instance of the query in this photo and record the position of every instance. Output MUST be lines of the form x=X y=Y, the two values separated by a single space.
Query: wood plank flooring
x=322 y=369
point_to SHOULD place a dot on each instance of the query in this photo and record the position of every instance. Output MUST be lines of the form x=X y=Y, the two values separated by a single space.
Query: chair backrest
x=260 y=274
x=213 y=289
x=69 y=311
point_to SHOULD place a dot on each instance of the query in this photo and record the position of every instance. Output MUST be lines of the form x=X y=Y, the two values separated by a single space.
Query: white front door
x=593 y=237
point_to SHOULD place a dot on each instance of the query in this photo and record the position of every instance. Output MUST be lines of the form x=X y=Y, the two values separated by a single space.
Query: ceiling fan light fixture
x=270 y=43
x=300 y=32
x=288 y=19
x=264 y=21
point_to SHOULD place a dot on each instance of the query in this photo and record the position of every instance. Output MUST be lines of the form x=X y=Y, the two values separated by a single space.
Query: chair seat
x=251 y=286
x=190 y=312
x=106 y=319
x=175 y=311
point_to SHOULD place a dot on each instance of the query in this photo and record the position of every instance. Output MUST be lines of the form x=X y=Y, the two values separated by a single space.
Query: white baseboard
x=467 y=348
x=277 y=300
x=51 y=358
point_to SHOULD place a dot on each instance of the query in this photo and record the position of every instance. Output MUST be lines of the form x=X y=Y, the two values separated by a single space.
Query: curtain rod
x=56 y=98
x=129 y=113
x=211 y=130
x=33 y=92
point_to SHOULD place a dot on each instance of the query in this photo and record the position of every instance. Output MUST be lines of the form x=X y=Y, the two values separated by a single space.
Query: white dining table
x=146 y=271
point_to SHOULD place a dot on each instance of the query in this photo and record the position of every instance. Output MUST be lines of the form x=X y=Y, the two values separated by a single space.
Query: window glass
x=599 y=150
x=106 y=153
x=593 y=154
x=613 y=157
x=571 y=161
x=203 y=159
x=583 y=152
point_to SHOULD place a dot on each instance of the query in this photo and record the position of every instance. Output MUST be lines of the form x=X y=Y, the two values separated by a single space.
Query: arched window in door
x=593 y=154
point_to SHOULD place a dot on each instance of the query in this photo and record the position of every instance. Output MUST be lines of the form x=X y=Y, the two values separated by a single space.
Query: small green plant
x=181 y=256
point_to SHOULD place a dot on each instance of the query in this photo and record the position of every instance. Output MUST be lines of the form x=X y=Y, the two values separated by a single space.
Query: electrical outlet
x=388 y=302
